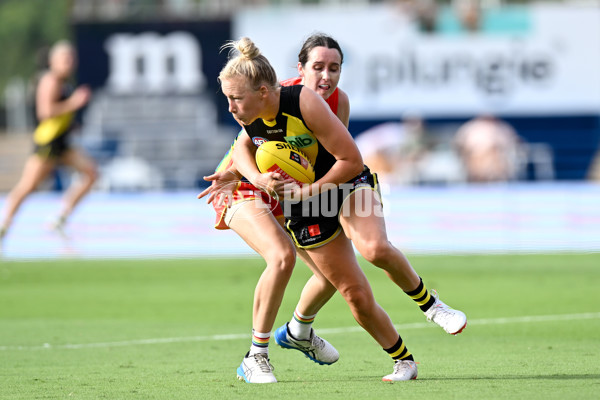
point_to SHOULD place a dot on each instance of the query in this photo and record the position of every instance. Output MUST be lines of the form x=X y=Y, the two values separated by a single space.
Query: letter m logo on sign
x=149 y=62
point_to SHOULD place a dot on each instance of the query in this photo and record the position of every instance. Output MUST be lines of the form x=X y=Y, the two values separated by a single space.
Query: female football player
x=246 y=209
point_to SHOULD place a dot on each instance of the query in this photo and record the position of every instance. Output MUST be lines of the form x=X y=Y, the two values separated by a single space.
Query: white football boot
x=404 y=370
x=451 y=320
x=256 y=369
x=317 y=349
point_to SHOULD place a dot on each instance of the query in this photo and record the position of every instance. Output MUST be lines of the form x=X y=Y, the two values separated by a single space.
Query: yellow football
x=285 y=159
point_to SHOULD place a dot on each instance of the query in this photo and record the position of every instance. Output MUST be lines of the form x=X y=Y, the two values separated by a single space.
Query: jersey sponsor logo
x=258 y=140
x=273 y=131
x=281 y=146
x=301 y=140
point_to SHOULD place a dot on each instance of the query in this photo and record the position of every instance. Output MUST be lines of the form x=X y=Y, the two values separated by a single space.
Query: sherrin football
x=285 y=159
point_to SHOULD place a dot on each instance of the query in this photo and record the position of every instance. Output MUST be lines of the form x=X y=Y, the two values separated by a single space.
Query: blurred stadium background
x=157 y=122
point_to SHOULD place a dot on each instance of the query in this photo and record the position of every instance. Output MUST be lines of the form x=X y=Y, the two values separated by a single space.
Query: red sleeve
x=291 y=81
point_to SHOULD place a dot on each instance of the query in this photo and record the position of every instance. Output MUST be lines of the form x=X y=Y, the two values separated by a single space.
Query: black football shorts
x=315 y=221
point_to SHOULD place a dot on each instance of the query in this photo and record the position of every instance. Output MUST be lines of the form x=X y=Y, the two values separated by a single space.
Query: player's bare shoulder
x=311 y=103
x=49 y=84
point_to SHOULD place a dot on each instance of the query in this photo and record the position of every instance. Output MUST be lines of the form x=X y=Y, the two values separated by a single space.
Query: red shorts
x=246 y=191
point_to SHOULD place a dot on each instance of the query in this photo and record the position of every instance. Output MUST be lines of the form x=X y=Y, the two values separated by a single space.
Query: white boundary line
x=330 y=331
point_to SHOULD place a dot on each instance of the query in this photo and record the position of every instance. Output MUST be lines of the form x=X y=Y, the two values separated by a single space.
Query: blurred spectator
x=594 y=171
x=489 y=149
x=469 y=14
x=423 y=13
x=394 y=149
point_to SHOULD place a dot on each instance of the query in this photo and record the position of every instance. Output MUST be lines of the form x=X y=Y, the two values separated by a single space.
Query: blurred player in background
x=56 y=104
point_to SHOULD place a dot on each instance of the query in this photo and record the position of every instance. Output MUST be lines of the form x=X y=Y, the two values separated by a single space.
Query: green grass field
x=177 y=329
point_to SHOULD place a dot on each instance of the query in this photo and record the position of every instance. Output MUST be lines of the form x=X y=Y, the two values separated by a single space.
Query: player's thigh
x=337 y=262
x=254 y=222
x=35 y=171
x=306 y=258
x=362 y=218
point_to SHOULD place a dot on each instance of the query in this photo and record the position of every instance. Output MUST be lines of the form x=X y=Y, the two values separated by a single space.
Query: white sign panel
x=149 y=62
x=552 y=67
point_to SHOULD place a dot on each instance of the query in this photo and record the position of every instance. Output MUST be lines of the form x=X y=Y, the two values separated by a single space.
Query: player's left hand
x=223 y=185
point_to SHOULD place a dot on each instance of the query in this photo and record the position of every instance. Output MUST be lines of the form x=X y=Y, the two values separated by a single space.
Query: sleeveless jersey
x=52 y=128
x=288 y=126
x=332 y=101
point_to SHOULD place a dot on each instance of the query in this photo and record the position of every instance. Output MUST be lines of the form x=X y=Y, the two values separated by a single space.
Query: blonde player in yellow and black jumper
x=319 y=69
x=56 y=104
x=269 y=112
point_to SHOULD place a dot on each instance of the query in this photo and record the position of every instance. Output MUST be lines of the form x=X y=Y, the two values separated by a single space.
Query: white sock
x=301 y=325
